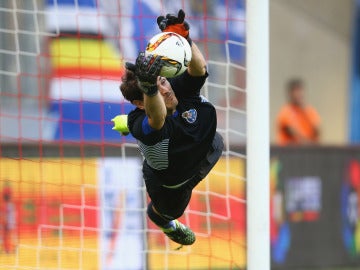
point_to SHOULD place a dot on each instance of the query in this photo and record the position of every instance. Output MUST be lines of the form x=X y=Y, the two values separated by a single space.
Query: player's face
x=168 y=94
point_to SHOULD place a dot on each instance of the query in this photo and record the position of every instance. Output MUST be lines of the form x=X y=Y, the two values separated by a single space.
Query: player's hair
x=129 y=86
x=293 y=84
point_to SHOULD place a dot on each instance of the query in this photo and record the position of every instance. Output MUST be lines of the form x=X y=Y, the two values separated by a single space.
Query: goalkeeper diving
x=175 y=128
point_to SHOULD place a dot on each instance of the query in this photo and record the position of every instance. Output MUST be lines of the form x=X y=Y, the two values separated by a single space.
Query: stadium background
x=55 y=138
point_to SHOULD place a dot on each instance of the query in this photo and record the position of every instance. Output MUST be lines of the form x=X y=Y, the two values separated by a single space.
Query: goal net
x=72 y=195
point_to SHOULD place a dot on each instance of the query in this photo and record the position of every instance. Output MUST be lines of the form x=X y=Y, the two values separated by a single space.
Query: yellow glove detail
x=120 y=124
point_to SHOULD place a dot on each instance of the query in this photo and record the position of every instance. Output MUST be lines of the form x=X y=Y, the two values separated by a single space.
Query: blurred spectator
x=7 y=220
x=297 y=123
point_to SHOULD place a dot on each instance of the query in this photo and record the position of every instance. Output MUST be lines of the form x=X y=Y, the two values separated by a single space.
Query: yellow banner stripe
x=84 y=53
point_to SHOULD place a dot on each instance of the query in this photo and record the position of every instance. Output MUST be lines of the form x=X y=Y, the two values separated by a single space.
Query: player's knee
x=156 y=215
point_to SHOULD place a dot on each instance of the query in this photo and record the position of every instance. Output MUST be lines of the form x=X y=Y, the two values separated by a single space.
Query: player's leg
x=173 y=228
x=212 y=157
x=176 y=200
x=165 y=207
x=169 y=204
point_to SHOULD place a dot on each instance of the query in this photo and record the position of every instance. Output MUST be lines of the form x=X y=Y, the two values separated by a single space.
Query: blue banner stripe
x=80 y=3
x=354 y=97
x=88 y=121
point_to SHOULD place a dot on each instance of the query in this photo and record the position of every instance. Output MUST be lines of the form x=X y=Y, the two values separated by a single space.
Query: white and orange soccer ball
x=175 y=51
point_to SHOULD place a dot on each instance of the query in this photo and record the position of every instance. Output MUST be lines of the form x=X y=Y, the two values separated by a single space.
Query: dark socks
x=156 y=218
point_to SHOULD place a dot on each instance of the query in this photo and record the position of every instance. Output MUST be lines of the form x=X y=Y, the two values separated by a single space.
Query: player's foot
x=180 y=233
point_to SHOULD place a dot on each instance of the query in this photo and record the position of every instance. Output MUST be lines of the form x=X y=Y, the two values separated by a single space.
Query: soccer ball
x=175 y=52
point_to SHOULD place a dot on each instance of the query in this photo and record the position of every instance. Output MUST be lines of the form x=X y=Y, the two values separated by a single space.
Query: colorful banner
x=315 y=207
x=55 y=222
x=86 y=73
x=91 y=39
x=90 y=214
x=350 y=208
x=122 y=214
x=82 y=213
x=71 y=213
x=84 y=89
x=354 y=91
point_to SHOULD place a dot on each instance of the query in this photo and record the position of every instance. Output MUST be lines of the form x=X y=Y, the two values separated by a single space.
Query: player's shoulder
x=136 y=115
x=187 y=85
x=139 y=127
x=187 y=76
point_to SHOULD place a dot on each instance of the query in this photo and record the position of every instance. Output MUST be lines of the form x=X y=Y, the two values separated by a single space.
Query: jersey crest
x=190 y=116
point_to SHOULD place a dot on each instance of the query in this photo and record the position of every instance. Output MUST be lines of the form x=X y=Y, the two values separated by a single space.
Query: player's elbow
x=157 y=122
x=198 y=70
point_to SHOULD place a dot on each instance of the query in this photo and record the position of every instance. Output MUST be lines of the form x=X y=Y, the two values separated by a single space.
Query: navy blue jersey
x=174 y=152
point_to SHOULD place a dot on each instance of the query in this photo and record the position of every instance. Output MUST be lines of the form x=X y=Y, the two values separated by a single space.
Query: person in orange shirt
x=297 y=123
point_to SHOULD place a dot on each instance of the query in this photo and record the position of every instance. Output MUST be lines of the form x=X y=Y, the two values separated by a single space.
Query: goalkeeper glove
x=147 y=69
x=120 y=124
x=176 y=24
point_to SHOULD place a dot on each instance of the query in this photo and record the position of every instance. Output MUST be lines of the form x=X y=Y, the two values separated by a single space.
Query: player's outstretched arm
x=197 y=66
x=148 y=70
x=155 y=109
x=176 y=23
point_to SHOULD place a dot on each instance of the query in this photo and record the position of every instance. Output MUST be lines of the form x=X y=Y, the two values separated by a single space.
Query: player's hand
x=130 y=66
x=176 y=24
x=147 y=69
x=120 y=124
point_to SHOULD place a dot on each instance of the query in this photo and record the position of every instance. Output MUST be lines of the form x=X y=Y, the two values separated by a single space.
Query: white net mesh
x=77 y=197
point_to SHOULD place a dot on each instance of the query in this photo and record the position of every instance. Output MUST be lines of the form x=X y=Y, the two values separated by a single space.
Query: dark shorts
x=172 y=202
